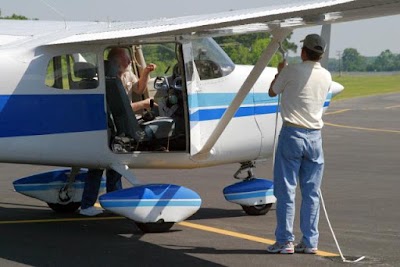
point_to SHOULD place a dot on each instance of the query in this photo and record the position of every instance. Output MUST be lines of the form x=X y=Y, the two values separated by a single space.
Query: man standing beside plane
x=299 y=155
x=120 y=66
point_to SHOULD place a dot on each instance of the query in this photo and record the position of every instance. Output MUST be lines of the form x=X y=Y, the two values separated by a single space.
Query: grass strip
x=366 y=85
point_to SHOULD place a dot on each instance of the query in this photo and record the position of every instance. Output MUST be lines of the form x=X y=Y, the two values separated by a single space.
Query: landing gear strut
x=65 y=195
x=248 y=165
x=61 y=189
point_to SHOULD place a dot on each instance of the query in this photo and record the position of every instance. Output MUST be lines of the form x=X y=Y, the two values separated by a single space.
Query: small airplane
x=59 y=107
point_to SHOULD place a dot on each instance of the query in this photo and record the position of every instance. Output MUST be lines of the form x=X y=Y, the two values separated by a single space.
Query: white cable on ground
x=333 y=233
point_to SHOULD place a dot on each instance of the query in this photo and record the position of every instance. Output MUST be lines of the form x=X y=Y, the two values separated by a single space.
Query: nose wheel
x=65 y=208
x=157 y=227
x=257 y=209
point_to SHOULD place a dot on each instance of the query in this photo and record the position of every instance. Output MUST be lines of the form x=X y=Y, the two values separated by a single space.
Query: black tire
x=257 y=209
x=67 y=208
x=157 y=227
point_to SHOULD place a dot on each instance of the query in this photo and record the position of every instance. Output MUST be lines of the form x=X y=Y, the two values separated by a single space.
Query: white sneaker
x=91 y=211
x=282 y=248
x=302 y=248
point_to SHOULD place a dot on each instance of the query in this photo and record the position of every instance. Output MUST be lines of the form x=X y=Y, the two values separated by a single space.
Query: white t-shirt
x=304 y=89
x=130 y=82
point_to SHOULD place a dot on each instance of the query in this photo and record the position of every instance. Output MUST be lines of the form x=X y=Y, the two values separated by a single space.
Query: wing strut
x=326 y=35
x=278 y=36
x=124 y=171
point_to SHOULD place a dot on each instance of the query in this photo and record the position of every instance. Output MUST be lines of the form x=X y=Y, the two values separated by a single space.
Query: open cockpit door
x=214 y=84
x=222 y=104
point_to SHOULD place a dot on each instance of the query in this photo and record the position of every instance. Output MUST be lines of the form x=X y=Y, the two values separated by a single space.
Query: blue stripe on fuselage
x=24 y=115
x=215 y=114
x=207 y=106
x=202 y=100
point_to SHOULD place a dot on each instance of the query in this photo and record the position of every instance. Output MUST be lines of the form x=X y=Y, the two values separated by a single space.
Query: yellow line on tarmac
x=242 y=236
x=62 y=220
x=397 y=106
x=185 y=224
x=337 y=112
x=362 y=128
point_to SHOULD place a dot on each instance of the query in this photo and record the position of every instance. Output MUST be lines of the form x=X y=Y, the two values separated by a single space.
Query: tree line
x=352 y=60
x=247 y=48
x=14 y=17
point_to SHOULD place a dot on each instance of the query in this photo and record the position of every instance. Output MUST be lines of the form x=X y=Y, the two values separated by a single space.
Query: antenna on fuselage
x=55 y=10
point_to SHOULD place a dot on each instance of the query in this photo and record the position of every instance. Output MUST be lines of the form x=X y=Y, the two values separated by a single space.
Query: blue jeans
x=92 y=185
x=299 y=156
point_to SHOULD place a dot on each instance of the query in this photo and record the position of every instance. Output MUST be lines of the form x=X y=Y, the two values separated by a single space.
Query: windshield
x=211 y=61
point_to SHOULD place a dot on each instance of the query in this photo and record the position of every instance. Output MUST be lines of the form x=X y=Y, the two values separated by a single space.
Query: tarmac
x=360 y=188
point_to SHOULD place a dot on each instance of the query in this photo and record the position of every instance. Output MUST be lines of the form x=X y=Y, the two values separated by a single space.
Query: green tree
x=353 y=61
x=247 y=48
x=15 y=17
x=386 y=61
x=397 y=62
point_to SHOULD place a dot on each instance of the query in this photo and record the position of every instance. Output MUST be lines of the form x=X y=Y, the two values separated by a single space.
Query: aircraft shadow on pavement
x=87 y=243
x=15 y=211
x=214 y=213
x=100 y=242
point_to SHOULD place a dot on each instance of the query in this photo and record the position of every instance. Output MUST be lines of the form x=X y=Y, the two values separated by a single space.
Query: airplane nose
x=336 y=88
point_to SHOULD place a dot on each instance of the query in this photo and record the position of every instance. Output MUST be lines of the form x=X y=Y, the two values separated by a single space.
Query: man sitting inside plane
x=119 y=66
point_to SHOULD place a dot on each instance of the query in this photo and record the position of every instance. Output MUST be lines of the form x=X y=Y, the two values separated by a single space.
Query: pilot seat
x=127 y=134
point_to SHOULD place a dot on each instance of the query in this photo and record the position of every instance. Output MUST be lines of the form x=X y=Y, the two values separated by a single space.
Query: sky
x=370 y=37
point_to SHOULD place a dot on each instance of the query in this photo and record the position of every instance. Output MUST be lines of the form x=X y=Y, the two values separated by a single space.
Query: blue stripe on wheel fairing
x=46 y=187
x=151 y=203
x=246 y=195
x=25 y=115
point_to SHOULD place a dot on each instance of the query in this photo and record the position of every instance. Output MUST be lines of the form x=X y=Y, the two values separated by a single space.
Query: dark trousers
x=92 y=185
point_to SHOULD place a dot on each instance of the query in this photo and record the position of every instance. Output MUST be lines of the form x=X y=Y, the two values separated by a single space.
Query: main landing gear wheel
x=257 y=209
x=157 y=227
x=67 y=208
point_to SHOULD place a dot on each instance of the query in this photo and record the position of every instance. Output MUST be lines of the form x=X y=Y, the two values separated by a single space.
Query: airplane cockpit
x=168 y=119
x=160 y=127
x=167 y=85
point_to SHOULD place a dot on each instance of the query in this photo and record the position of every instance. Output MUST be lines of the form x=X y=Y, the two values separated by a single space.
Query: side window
x=72 y=71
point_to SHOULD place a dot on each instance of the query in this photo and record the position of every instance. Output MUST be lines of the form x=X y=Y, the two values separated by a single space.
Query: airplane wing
x=291 y=14
x=288 y=14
